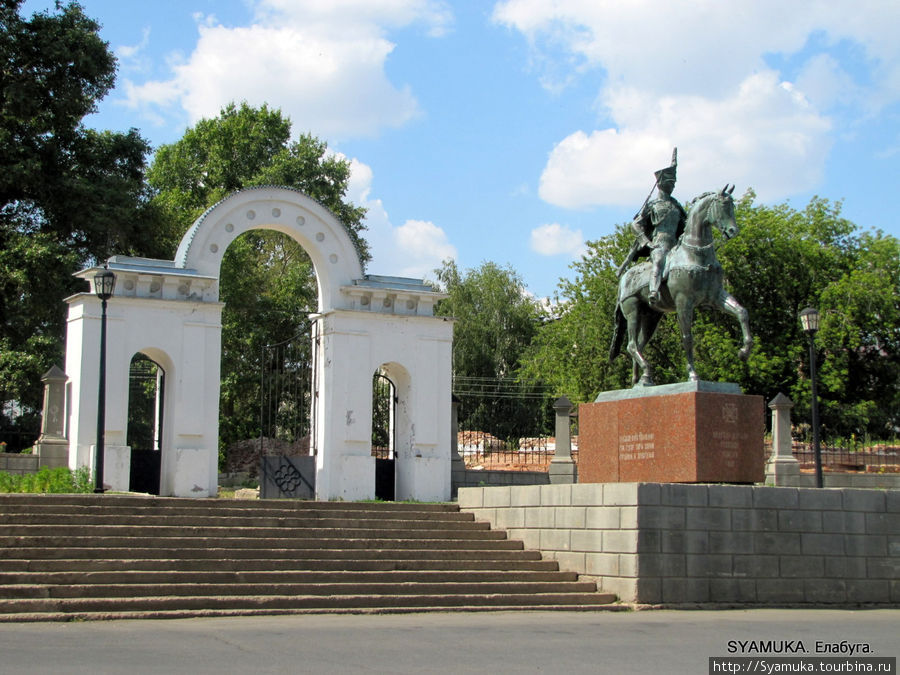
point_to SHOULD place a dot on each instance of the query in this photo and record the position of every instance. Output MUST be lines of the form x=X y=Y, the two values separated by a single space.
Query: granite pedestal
x=692 y=432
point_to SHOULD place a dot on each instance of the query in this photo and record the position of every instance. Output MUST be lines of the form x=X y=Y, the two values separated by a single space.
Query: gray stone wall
x=13 y=462
x=656 y=543
x=487 y=478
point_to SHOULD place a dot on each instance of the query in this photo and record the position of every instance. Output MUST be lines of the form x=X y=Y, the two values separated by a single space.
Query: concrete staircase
x=68 y=557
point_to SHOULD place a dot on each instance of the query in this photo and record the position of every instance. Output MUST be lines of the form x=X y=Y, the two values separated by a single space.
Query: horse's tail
x=618 y=334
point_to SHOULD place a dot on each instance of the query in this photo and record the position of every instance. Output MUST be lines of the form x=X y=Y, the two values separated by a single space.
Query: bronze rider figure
x=657 y=225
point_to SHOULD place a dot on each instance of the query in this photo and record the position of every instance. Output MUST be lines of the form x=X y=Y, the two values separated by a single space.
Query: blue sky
x=515 y=130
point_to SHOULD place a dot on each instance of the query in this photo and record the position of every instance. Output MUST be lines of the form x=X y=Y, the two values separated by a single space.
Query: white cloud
x=556 y=239
x=414 y=249
x=132 y=51
x=321 y=63
x=697 y=75
x=419 y=248
x=764 y=136
x=699 y=47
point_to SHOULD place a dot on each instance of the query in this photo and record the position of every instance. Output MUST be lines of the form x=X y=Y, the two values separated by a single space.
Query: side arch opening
x=384 y=435
x=146 y=419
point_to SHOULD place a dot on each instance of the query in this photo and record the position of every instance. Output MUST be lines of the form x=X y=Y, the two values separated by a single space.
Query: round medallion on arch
x=276 y=213
x=251 y=214
x=214 y=248
x=229 y=227
x=301 y=221
x=320 y=236
x=333 y=258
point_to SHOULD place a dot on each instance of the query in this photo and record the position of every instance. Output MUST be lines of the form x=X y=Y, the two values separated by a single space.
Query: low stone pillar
x=562 y=466
x=457 y=465
x=782 y=469
x=52 y=447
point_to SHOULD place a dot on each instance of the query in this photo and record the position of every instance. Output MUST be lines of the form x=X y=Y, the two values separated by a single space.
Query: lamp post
x=104 y=283
x=809 y=319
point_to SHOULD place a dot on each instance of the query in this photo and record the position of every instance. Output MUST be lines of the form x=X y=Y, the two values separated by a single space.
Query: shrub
x=58 y=480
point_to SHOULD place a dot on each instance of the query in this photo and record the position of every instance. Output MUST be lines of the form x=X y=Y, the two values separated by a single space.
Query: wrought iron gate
x=146 y=394
x=384 y=408
x=288 y=398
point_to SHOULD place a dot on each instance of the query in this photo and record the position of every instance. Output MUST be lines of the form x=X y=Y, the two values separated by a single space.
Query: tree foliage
x=782 y=261
x=495 y=321
x=68 y=195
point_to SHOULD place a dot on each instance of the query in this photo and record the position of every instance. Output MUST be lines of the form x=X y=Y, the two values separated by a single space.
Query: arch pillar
x=184 y=338
x=415 y=353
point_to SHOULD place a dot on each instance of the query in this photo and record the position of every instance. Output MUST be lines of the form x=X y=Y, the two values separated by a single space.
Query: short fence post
x=52 y=448
x=457 y=465
x=782 y=469
x=562 y=467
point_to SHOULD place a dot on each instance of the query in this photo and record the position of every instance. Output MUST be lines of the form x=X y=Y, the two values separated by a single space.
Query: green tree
x=268 y=283
x=786 y=259
x=495 y=321
x=68 y=195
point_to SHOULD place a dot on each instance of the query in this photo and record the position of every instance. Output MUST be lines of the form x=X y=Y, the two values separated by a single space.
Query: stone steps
x=109 y=556
x=292 y=576
x=87 y=565
x=223 y=532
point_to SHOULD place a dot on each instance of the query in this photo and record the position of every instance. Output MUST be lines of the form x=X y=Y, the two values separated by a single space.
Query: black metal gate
x=384 y=402
x=146 y=394
x=288 y=397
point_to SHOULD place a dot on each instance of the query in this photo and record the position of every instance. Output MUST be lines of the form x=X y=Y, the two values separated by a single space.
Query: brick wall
x=670 y=543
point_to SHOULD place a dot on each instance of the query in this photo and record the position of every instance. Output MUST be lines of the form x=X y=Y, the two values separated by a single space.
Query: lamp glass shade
x=809 y=319
x=104 y=283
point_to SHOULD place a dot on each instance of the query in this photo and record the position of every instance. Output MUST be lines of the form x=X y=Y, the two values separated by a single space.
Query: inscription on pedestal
x=636 y=446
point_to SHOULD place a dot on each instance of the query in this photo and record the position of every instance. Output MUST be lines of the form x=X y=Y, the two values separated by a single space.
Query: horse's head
x=714 y=208
x=724 y=219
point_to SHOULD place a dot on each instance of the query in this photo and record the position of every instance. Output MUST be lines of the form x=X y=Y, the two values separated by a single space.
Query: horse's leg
x=727 y=303
x=632 y=312
x=684 y=307
x=649 y=320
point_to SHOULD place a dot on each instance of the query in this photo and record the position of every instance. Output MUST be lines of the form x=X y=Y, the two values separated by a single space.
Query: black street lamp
x=809 y=319
x=104 y=283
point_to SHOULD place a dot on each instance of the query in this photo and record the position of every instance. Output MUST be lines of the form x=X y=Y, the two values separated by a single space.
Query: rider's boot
x=654 y=287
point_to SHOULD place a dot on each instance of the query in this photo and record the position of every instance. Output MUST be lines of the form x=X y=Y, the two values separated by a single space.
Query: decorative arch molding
x=323 y=237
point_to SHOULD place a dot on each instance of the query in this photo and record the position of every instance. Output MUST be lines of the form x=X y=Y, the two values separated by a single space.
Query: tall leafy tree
x=495 y=321
x=267 y=281
x=68 y=195
x=786 y=259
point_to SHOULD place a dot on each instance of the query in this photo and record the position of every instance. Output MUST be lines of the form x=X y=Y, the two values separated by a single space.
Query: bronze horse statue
x=693 y=278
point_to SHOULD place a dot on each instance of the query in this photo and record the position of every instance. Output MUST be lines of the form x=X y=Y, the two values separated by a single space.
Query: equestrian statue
x=681 y=275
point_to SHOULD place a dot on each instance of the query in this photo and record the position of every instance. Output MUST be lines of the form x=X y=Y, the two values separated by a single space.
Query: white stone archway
x=170 y=310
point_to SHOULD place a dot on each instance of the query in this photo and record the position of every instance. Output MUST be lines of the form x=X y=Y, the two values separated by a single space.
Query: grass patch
x=60 y=480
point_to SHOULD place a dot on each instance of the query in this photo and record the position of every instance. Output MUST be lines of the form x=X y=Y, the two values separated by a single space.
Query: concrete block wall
x=14 y=463
x=671 y=543
x=872 y=481
x=488 y=478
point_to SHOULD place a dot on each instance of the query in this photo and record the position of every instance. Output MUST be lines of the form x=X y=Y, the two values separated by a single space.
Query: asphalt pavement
x=655 y=642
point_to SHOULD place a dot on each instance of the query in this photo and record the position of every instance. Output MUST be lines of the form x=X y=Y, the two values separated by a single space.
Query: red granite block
x=691 y=437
